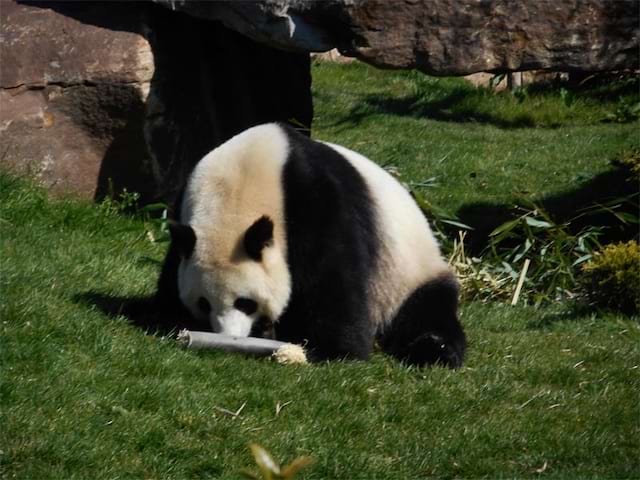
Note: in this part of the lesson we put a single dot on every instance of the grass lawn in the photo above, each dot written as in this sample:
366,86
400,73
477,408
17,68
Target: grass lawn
547,392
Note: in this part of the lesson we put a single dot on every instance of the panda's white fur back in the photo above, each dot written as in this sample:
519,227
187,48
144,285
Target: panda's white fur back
410,255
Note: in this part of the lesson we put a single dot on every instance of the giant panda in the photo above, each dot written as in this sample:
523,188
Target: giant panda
309,242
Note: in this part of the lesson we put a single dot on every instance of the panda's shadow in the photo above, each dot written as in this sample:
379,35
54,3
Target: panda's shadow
142,312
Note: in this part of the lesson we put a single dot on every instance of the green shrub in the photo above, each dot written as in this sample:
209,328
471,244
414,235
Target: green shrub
631,159
611,279
555,249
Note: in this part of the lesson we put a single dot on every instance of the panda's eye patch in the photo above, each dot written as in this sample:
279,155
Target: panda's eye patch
204,305
246,305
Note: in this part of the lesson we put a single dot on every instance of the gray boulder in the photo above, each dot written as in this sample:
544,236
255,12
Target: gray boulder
444,37
72,96
96,97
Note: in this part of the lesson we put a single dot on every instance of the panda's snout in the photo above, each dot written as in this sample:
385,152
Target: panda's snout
233,323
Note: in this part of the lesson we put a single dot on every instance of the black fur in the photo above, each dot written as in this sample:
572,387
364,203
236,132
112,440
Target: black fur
257,237
204,306
183,237
263,328
167,297
426,329
332,252
247,306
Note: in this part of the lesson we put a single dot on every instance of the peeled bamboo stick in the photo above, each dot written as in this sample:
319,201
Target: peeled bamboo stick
248,345
282,352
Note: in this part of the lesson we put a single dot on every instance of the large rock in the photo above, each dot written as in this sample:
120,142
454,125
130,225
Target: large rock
444,37
72,95
96,97
100,96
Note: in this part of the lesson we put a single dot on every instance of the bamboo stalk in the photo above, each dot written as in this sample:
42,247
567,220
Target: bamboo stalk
260,347
523,274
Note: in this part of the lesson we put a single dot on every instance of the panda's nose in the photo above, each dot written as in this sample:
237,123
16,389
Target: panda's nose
233,323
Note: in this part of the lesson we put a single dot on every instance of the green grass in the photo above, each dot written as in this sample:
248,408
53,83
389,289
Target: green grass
545,392
479,146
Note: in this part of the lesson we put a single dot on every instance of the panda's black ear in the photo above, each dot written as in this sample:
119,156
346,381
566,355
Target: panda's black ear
183,237
257,237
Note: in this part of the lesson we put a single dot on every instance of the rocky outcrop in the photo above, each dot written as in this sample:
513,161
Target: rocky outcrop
72,95
444,37
100,96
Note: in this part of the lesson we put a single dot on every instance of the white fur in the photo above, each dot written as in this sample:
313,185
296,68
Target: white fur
410,254
234,322
229,189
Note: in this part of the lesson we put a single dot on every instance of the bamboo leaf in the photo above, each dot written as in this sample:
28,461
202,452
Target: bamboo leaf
505,227
265,461
582,259
154,207
537,223
625,217
249,474
458,224
294,467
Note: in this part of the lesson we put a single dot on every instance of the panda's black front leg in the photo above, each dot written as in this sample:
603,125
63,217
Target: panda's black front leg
341,336
336,328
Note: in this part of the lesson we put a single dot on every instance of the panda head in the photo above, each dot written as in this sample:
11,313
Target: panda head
236,282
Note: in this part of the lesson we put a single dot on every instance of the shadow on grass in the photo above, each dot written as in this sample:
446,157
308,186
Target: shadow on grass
574,311
565,207
142,312
580,310
603,86
463,104
459,106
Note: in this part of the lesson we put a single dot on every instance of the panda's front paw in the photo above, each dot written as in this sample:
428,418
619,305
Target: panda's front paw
431,348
